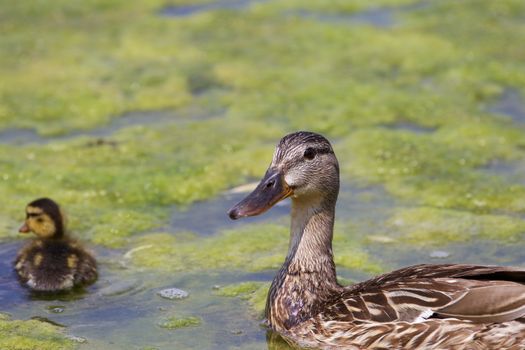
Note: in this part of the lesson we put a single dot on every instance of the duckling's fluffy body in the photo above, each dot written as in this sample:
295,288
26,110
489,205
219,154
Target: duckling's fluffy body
449,306
55,265
52,262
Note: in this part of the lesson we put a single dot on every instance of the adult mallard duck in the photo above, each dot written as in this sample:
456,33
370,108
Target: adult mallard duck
420,307
52,261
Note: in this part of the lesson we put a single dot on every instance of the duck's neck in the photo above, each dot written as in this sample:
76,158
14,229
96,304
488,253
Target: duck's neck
308,276
310,248
56,236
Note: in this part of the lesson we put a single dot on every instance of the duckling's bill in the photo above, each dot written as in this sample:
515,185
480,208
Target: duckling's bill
24,228
272,189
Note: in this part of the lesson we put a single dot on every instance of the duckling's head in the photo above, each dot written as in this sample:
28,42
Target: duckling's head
304,167
44,218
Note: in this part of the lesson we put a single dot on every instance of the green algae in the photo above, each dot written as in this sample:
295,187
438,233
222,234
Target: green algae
180,322
235,290
345,281
418,72
32,335
8,227
111,193
254,293
277,67
425,225
256,248
435,170
160,70
250,248
75,89
350,251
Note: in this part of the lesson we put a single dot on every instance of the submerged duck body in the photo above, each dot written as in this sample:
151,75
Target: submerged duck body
449,306
52,261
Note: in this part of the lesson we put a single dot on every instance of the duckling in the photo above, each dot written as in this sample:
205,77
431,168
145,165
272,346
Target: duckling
52,261
447,306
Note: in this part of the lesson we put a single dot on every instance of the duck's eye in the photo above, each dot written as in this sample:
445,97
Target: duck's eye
309,153
40,220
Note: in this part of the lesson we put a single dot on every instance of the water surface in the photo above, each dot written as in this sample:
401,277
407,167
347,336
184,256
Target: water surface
249,72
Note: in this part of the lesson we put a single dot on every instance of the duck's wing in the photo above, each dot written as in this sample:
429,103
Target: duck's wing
436,334
425,307
481,294
478,272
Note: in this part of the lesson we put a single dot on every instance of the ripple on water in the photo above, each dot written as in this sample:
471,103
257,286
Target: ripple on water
120,287
56,309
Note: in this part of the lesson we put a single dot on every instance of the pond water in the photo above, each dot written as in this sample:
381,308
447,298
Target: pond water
188,10
377,17
98,136
427,121
510,104
123,311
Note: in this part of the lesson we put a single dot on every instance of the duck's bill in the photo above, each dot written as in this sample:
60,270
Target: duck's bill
270,190
24,228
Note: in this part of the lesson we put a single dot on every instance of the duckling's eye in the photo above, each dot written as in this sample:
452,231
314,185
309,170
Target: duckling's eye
309,153
40,220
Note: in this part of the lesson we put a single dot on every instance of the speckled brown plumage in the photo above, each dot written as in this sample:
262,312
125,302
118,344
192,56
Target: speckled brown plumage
424,307
449,306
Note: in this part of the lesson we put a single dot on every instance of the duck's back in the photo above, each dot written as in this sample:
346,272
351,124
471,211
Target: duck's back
54,265
425,307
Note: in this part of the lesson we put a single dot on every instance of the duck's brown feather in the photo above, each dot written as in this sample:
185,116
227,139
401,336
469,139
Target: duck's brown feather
466,291
424,306
430,334
419,307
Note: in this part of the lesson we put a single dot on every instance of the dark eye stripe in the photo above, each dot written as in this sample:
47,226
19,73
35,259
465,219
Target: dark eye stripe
33,214
311,152
323,150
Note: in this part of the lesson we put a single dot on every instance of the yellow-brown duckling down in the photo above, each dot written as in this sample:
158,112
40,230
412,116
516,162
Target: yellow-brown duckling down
52,261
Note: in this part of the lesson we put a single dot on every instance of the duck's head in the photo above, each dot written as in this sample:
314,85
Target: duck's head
304,167
44,218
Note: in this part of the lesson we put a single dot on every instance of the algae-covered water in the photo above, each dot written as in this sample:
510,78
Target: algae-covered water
146,119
